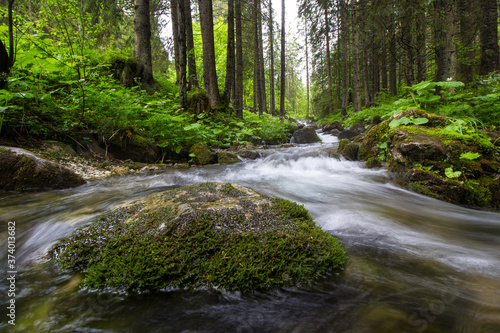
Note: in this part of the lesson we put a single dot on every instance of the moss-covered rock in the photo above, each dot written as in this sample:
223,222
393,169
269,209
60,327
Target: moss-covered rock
202,154
225,157
348,149
305,135
422,154
373,163
23,171
206,235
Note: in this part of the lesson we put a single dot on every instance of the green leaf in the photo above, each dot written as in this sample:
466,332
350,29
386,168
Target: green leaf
420,121
470,156
452,174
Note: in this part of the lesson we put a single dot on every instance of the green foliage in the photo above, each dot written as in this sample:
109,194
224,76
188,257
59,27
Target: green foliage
470,156
408,121
452,174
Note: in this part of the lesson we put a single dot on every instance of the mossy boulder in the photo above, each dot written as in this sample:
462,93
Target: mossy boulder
202,154
23,171
226,157
133,146
348,149
335,125
206,235
422,154
305,135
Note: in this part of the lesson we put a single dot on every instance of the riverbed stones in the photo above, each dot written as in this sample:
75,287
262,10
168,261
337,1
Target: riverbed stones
217,235
21,170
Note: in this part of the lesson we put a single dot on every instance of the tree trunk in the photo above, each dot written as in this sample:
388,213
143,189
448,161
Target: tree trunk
393,75
283,62
142,43
238,98
467,35
262,73
4,66
421,49
271,56
209,67
230,64
307,70
344,21
328,56
11,35
191,57
356,73
256,59
489,37
181,35
444,47
175,35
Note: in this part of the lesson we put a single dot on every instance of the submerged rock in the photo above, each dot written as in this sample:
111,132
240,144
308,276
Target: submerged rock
305,135
207,235
21,170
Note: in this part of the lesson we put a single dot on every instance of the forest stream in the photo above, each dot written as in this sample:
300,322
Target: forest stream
416,264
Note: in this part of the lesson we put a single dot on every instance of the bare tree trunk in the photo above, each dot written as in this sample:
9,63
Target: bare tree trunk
271,56
421,50
207,35
191,57
283,62
230,64
444,47
307,70
256,59
262,73
489,37
345,55
181,35
142,43
238,98
328,55
393,75
467,35
11,34
175,35
356,74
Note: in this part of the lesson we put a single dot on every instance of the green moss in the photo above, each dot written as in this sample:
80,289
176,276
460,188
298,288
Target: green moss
373,162
255,243
348,149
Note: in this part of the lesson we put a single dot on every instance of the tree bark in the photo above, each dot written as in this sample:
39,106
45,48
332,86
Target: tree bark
307,70
421,46
181,35
207,35
262,73
467,35
356,74
230,61
11,34
444,47
283,61
191,57
4,66
345,56
271,56
489,37
175,35
256,59
142,43
393,76
328,55
238,98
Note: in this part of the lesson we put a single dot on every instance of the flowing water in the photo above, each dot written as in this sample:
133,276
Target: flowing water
416,264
